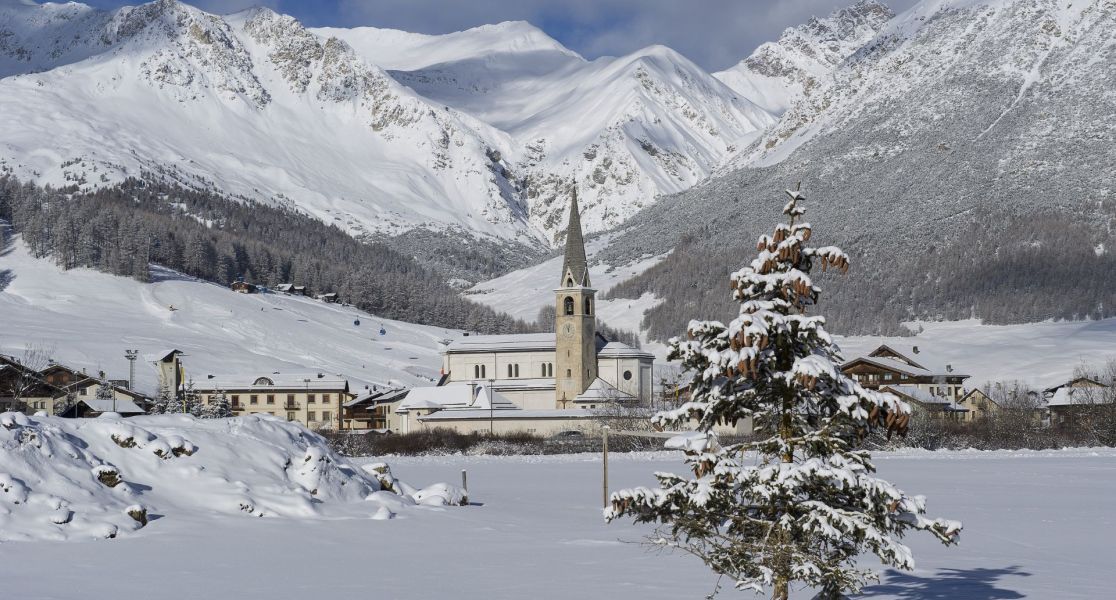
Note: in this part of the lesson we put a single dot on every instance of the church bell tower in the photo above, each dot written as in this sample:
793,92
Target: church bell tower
575,325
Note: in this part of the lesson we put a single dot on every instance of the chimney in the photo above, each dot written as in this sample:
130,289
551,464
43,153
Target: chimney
915,349
949,368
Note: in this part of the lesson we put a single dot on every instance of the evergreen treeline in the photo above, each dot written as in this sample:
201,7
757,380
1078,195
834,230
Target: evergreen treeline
121,229
1001,268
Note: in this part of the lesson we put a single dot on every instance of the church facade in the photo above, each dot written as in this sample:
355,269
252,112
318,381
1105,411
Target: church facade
539,382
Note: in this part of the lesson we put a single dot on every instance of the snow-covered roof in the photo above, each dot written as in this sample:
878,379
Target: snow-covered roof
520,342
455,396
602,391
272,381
120,405
622,350
901,367
1068,395
378,397
923,396
475,414
526,383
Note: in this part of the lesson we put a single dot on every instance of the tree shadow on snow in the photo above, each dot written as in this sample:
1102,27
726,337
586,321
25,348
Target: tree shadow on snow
7,245
952,584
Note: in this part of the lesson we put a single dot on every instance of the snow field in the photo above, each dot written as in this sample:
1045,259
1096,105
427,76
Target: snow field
1037,525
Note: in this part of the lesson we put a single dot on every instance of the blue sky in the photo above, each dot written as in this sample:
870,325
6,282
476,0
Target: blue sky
713,33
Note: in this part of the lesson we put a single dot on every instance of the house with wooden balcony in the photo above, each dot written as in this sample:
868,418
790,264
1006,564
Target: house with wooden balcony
931,387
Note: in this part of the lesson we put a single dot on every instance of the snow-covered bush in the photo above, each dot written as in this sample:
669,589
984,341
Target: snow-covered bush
808,505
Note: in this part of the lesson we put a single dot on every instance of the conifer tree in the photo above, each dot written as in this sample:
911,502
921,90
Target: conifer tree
218,407
163,400
801,501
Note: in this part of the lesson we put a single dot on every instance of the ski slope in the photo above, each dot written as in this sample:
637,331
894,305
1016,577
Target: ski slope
87,319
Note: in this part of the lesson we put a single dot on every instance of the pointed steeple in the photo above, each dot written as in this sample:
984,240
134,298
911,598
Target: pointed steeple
575,266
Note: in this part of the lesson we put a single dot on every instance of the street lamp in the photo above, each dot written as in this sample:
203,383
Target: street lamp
491,430
131,355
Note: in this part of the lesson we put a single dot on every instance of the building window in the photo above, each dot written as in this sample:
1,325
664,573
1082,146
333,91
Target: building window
627,375
235,400
271,398
325,416
543,370
550,369
509,371
588,305
312,416
253,399
887,376
483,374
290,416
517,369
589,372
569,373
311,398
476,371
290,398
325,397
568,305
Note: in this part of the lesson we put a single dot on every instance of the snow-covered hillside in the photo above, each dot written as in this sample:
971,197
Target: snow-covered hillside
86,479
87,319
483,130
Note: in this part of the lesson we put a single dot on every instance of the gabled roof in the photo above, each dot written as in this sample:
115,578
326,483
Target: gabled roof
622,350
899,366
122,406
455,396
1077,382
885,351
1068,395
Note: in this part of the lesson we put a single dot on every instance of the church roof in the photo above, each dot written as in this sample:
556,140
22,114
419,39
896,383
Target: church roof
575,262
602,391
622,350
516,342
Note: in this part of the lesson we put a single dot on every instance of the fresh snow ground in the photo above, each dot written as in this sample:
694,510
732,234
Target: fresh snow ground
1037,525
88,318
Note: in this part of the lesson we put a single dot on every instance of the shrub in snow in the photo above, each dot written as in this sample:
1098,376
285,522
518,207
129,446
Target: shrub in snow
61,516
809,505
138,514
107,475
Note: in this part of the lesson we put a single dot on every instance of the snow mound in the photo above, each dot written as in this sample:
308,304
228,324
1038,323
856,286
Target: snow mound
66,479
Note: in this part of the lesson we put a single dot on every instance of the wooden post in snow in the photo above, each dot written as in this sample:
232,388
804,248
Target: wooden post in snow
604,479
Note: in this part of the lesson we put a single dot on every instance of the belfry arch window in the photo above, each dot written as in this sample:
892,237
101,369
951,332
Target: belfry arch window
588,305
569,282
568,306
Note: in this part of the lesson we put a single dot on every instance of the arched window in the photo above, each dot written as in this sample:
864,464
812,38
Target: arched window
569,373
550,369
517,369
544,369
263,381
569,282
509,371
476,372
588,305
483,375
568,305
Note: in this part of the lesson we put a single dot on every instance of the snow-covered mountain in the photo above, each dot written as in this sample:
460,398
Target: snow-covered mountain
963,155
375,130
780,73
624,129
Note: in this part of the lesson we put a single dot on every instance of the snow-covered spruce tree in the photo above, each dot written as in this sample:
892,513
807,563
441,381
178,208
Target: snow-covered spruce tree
799,503
163,401
218,407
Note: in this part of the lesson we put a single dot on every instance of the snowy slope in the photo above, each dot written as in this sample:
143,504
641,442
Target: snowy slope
87,479
481,130
87,319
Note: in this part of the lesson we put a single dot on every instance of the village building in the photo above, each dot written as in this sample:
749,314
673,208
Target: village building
374,410
539,383
243,287
887,367
978,405
1078,402
315,400
22,389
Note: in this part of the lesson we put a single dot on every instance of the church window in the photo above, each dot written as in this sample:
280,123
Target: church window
588,306
544,369
550,368
627,375
568,305
483,375
476,371
509,371
517,370
569,373
569,282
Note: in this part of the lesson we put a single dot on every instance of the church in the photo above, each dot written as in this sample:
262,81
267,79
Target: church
539,383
